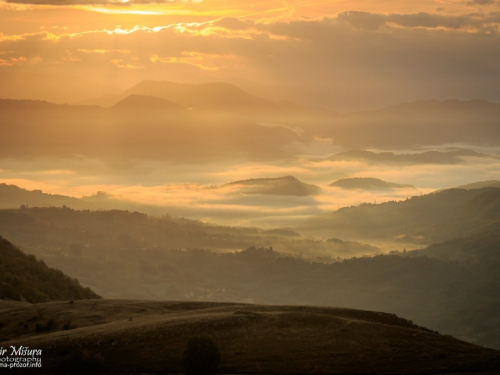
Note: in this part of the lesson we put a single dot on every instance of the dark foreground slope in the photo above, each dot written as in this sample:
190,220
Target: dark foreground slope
139,336
24,278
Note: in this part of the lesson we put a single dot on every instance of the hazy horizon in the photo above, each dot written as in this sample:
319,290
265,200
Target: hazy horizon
338,55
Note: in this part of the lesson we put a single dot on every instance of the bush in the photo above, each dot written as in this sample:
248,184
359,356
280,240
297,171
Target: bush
49,326
83,361
201,356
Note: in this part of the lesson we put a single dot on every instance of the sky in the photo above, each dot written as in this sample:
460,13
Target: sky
343,55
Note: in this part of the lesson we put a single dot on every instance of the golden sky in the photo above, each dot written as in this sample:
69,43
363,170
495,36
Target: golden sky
346,52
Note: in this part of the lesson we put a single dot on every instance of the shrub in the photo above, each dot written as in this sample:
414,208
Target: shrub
49,326
83,361
201,356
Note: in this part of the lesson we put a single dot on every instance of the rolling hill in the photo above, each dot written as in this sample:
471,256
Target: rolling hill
164,258
149,337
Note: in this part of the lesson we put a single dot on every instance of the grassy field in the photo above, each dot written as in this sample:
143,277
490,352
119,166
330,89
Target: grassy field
141,336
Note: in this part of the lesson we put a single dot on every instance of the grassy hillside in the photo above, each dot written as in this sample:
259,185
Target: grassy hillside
139,336
23,277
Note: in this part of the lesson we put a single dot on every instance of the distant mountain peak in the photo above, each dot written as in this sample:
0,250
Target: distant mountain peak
145,103
210,96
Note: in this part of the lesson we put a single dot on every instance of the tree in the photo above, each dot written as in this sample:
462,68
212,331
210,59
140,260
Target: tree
201,356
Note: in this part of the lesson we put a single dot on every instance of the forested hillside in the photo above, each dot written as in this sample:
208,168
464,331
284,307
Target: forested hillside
24,278
419,220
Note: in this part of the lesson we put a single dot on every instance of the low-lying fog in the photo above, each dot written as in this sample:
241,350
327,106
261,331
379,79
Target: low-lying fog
198,191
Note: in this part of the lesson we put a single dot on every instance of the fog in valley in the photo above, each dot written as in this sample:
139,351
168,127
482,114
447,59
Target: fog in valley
201,192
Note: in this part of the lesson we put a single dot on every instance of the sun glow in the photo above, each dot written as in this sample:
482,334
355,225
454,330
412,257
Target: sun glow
121,11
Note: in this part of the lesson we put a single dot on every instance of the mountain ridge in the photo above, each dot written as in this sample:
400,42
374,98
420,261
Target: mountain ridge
419,220
431,157
145,103
368,183
212,96
286,185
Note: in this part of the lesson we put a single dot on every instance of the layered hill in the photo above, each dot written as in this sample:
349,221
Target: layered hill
162,258
109,249
12,196
24,278
428,122
139,127
222,121
479,247
127,336
367,183
417,220
441,109
287,185
146,103
215,95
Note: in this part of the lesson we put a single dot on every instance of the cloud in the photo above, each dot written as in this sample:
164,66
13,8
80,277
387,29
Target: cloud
102,51
11,61
203,61
373,21
481,2
98,2
233,23
127,65
188,190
